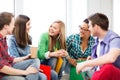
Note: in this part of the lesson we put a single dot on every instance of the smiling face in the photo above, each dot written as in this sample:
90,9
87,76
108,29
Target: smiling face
84,30
54,29
28,26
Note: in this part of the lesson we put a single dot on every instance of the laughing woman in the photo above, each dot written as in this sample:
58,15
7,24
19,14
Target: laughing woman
52,47
79,48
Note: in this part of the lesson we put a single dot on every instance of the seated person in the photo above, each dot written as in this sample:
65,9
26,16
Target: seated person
52,46
19,42
79,48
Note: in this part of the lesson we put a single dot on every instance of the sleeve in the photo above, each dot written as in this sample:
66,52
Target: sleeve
12,48
4,62
5,59
43,47
115,43
69,43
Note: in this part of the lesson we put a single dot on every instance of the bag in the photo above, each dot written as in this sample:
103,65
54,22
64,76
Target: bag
59,64
74,75
46,70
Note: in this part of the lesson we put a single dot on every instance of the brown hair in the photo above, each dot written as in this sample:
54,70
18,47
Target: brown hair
99,19
5,19
22,37
61,37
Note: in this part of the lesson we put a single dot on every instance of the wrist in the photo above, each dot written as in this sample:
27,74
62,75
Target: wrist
47,55
67,57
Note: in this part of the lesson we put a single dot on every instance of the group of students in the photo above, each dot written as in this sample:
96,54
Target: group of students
79,50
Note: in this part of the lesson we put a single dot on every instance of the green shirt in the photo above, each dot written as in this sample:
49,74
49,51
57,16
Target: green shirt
43,46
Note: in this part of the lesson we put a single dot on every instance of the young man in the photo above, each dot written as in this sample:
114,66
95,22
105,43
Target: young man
14,68
105,52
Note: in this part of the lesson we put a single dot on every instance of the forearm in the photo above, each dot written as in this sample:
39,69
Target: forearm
12,71
100,61
18,59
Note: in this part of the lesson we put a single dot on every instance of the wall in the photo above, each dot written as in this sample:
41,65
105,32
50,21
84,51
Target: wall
103,6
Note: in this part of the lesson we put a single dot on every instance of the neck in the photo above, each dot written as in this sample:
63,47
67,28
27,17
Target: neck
85,39
102,34
3,33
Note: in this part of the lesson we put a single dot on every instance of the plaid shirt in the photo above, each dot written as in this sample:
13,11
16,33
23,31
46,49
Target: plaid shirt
74,49
5,59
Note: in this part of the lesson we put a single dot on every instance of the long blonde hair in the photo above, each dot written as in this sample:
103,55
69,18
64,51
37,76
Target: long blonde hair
61,37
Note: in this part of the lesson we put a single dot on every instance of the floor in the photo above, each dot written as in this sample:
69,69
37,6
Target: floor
65,77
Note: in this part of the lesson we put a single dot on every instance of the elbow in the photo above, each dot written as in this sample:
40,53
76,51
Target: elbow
112,60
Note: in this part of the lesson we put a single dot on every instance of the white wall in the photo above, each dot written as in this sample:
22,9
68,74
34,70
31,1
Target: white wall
116,16
103,6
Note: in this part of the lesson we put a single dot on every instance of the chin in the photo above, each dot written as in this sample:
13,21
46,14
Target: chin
81,36
9,33
50,35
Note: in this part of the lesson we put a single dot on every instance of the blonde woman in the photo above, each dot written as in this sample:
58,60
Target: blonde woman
52,45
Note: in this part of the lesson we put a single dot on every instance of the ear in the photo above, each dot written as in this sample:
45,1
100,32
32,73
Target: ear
5,26
97,27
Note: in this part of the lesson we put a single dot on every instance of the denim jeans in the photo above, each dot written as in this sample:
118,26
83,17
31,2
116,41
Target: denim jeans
52,62
13,78
54,75
23,65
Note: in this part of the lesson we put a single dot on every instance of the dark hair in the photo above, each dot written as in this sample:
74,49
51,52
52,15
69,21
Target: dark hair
99,19
86,21
5,19
22,37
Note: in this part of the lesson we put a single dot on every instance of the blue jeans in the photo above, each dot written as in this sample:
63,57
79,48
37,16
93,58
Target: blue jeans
52,62
23,65
54,75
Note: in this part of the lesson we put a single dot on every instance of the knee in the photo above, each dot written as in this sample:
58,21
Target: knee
43,76
54,75
36,60
35,63
107,67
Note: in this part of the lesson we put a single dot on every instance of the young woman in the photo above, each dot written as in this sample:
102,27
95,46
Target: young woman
19,42
52,46
79,48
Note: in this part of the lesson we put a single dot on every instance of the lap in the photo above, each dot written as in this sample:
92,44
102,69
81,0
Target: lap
26,63
13,78
107,72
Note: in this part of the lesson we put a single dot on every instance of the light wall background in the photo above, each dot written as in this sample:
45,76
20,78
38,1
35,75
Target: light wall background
71,12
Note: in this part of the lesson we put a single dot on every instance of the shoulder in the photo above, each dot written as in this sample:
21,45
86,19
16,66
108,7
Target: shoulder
44,34
73,36
91,40
10,37
111,36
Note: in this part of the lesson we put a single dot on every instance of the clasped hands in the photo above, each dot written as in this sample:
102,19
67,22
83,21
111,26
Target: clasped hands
59,53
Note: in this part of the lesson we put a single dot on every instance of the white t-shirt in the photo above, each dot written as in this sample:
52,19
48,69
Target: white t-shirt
98,52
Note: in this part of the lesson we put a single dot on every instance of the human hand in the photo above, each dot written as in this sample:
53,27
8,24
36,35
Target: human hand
80,67
27,57
72,61
31,70
59,53
62,53
89,58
